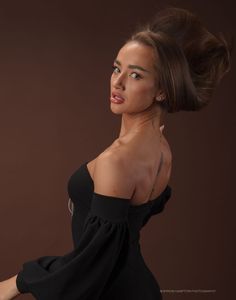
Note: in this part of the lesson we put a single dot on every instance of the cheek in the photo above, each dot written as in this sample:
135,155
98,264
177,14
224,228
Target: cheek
144,90
140,97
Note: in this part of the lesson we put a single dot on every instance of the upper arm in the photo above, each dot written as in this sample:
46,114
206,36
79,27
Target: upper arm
112,177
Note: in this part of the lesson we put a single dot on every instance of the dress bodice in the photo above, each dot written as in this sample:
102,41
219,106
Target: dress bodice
81,190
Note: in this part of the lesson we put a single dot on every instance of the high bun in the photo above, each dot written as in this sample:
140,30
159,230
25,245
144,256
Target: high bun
190,60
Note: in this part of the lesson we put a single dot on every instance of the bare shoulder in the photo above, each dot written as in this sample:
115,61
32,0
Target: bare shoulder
112,176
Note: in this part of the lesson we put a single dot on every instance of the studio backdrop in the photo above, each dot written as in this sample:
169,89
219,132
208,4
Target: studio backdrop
56,61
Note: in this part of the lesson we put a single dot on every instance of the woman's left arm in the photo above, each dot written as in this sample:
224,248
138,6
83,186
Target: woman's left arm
8,289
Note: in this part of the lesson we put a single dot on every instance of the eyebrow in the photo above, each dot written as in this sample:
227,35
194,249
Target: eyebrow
132,66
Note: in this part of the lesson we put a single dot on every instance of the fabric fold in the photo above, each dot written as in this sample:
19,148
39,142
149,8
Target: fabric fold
92,266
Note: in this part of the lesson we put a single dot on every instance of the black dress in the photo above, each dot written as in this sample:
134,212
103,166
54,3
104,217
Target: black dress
106,262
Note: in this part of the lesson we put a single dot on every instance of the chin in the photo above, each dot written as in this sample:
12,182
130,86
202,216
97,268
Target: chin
116,112
116,109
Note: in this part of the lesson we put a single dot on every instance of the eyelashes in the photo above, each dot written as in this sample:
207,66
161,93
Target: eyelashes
137,75
114,67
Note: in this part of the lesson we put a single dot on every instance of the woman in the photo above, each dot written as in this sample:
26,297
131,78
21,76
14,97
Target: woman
171,64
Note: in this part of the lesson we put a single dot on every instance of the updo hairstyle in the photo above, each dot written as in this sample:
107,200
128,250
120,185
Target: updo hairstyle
190,61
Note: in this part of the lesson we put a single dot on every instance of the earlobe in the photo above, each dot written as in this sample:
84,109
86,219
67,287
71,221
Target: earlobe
160,97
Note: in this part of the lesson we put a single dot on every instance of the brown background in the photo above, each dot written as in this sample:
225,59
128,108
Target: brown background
56,59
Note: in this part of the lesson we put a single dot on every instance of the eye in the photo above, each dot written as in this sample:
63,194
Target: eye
114,67
138,76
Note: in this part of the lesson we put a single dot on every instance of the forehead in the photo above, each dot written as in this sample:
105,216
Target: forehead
136,53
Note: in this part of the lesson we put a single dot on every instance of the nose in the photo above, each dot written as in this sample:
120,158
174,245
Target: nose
118,81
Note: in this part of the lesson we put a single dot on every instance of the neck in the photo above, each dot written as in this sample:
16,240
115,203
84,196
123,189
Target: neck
148,123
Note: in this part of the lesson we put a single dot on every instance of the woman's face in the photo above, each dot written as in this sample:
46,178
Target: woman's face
134,78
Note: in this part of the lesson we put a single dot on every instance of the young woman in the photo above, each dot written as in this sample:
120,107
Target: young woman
171,64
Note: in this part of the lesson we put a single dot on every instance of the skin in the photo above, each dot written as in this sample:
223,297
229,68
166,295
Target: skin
8,289
141,120
140,112
136,153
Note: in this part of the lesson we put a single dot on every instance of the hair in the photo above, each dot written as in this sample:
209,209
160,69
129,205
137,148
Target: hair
190,61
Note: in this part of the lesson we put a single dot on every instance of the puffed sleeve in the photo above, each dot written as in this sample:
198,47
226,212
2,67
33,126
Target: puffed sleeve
92,266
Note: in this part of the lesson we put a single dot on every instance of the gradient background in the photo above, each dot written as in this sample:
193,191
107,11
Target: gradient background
55,68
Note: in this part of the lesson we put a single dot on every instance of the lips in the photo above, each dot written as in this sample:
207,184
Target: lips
117,96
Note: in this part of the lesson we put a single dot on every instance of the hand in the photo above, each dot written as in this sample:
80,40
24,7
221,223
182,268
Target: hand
8,289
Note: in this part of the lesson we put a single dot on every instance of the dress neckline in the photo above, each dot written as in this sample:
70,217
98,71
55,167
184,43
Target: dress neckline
148,203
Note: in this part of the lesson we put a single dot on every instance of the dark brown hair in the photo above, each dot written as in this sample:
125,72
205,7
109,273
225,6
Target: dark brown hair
190,60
